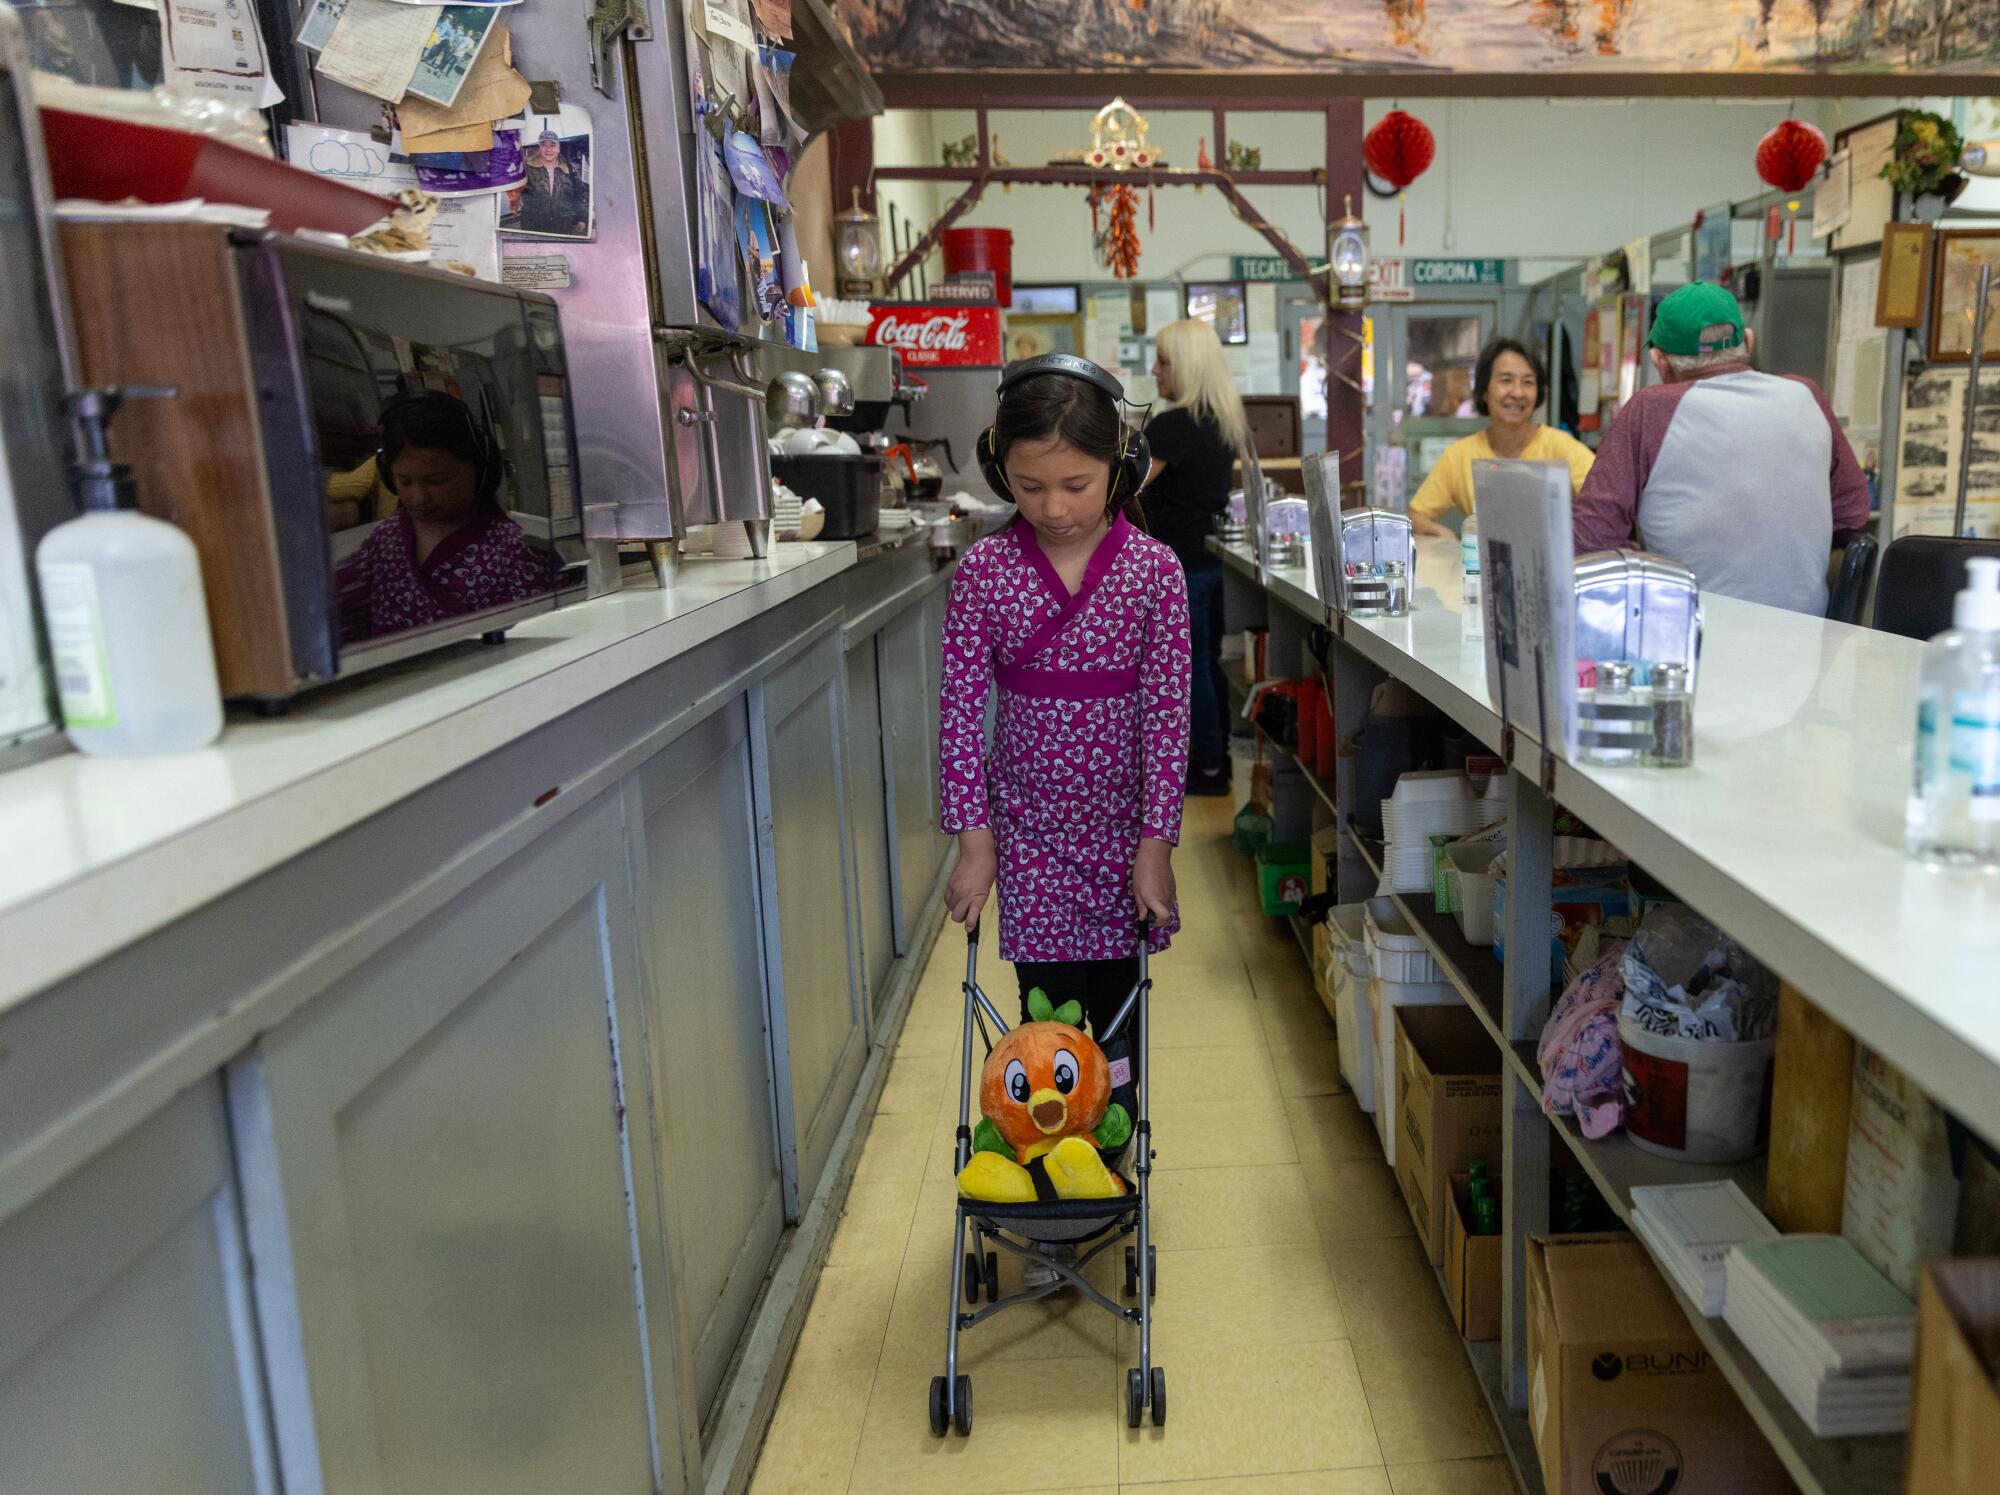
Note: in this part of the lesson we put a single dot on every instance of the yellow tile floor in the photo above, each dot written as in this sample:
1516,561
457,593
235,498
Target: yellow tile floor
1307,1348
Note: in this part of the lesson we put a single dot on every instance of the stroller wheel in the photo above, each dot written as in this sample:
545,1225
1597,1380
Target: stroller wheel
962,1413
992,1276
972,1277
940,1415
1135,1398
1159,1397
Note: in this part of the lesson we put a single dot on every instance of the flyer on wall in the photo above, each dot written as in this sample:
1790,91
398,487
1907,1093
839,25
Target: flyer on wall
215,47
554,200
1527,563
499,168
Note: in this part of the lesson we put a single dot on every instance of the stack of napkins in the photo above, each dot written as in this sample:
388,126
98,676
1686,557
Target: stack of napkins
1834,1334
1690,1228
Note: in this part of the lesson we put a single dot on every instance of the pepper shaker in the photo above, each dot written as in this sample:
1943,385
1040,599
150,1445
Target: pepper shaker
1673,719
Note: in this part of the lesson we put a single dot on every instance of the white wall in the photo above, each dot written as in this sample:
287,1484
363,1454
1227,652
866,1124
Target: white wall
1514,178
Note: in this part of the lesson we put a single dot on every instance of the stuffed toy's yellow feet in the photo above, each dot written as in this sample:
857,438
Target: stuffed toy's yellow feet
1077,1172
996,1180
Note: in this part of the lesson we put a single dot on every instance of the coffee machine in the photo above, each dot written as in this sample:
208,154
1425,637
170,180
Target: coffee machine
852,486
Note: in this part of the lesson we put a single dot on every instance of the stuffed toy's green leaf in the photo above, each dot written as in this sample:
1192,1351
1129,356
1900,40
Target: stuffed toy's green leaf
986,1138
1040,1009
1071,1013
1114,1129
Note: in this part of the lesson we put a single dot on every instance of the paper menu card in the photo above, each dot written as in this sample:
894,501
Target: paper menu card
1859,1318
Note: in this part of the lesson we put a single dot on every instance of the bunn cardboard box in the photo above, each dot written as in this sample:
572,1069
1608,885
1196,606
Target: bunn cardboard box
1955,1402
1622,1397
1448,1095
1471,1266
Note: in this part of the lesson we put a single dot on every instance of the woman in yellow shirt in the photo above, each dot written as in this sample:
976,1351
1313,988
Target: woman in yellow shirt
1507,390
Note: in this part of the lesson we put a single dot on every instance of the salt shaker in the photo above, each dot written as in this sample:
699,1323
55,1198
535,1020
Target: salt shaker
1614,723
1673,718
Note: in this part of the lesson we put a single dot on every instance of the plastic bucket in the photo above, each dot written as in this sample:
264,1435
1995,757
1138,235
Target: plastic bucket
1475,890
982,249
1695,1100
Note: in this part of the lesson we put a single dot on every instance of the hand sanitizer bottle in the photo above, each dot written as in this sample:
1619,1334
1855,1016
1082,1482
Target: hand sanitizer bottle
127,622
1954,810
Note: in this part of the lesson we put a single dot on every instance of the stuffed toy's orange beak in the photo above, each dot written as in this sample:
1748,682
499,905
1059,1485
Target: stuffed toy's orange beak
1049,1111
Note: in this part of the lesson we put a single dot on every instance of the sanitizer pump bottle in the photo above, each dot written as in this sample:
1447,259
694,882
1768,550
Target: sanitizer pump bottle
1954,810
127,622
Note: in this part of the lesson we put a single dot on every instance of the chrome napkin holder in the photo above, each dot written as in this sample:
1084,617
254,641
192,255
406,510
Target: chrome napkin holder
1370,538
1637,607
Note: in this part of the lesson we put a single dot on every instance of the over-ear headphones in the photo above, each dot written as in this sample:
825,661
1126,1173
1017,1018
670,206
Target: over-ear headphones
1134,463
435,402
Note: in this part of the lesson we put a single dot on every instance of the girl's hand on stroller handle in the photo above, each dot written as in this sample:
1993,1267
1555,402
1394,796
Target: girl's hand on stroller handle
972,878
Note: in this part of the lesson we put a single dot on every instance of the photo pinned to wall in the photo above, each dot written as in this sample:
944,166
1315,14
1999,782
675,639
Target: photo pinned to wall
758,241
316,28
554,201
452,48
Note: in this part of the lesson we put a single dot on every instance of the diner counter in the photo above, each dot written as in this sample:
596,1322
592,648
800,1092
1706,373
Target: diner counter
103,851
1787,830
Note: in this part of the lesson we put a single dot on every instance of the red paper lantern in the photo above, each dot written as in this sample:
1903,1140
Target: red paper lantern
1790,155
1399,150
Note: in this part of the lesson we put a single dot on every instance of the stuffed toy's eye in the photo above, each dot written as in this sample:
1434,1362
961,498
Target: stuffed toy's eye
1017,1080
1065,1066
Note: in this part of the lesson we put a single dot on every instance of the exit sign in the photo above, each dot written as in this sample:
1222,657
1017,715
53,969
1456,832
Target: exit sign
1457,272
1262,267
1388,281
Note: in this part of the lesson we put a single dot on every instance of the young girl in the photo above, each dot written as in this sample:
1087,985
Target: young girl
1082,621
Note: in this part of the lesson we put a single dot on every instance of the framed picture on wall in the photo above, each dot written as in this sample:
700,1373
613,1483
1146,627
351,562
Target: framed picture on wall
1032,336
1223,304
1960,255
1905,275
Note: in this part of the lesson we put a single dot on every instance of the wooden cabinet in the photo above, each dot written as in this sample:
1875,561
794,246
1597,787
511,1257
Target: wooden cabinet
806,793
127,1357
708,1033
437,1167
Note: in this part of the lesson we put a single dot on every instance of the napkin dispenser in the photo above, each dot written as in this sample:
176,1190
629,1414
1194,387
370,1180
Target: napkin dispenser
1370,538
1640,608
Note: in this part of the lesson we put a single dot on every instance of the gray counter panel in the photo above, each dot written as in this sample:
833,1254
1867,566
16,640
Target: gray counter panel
125,1357
912,754
869,795
706,1033
437,1147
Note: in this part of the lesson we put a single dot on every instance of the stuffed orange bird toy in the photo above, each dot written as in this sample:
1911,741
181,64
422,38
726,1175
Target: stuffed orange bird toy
1045,1098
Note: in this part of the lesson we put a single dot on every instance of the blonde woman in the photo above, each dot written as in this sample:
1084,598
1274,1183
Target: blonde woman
1194,447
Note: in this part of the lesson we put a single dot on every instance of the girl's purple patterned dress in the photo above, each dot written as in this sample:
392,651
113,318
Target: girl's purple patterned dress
485,562
1090,751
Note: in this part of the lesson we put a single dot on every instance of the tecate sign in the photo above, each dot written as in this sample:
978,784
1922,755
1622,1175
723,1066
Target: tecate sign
938,336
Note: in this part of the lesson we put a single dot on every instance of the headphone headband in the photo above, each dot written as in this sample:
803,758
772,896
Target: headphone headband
1066,364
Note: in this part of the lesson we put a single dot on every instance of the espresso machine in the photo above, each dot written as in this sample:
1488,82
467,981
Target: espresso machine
852,486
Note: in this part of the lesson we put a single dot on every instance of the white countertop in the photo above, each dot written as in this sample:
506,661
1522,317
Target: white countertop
1787,831
102,851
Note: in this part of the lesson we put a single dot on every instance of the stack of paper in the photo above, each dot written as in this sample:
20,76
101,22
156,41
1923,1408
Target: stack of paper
1690,1229
1834,1334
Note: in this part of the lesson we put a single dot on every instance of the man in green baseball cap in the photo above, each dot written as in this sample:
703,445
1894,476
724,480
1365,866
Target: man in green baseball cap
1742,477
1698,321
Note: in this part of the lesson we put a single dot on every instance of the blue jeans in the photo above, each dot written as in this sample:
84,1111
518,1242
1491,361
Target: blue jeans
1208,737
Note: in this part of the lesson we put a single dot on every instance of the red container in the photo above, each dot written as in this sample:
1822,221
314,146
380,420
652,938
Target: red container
982,249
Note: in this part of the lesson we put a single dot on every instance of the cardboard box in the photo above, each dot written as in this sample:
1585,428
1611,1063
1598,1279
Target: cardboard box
1622,1398
1955,1403
1448,1097
1471,1266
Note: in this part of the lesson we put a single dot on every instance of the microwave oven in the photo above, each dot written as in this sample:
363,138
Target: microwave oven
310,385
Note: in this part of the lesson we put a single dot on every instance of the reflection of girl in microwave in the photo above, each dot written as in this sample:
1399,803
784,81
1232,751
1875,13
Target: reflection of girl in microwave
448,549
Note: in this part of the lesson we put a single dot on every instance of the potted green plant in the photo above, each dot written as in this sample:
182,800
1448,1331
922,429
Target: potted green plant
1925,162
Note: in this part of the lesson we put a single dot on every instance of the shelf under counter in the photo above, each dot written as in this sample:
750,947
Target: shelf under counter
1844,1466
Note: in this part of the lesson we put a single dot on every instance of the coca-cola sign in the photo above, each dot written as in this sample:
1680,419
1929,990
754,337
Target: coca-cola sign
938,336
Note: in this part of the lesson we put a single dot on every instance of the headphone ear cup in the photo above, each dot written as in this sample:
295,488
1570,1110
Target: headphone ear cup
1137,463
989,466
382,473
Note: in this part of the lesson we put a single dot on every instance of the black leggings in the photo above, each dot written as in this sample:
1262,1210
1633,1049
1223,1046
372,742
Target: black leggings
1101,986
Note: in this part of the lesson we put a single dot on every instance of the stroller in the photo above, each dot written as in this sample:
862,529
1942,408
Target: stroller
1035,1231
